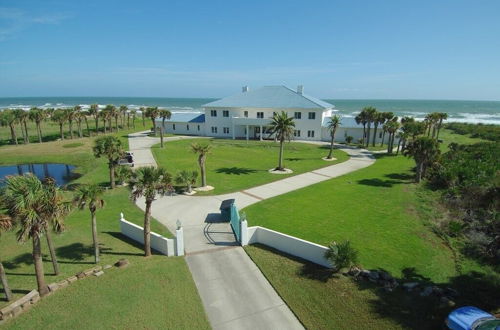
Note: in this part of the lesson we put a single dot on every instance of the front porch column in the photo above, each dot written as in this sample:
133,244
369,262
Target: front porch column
261,132
247,132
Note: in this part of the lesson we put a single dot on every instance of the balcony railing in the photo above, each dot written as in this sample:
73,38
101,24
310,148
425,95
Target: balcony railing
251,121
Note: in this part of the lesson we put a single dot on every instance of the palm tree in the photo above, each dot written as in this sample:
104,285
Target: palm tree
332,126
60,116
387,116
94,112
163,114
202,150
24,200
152,113
143,115
122,112
111,148
362,119
187,178
38,115
392,127
109,113
91,195
371,115
79,118
424,151
149,182
104,115
73,113
5,224
441,116
283,127
378,119
8,118
55,211
86,114
133,112
22,118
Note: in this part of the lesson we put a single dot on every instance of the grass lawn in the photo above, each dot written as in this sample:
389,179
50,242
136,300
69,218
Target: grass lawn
120,297
235,165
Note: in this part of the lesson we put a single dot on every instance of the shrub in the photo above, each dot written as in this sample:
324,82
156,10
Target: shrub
488,132
349,139
123,173
341,255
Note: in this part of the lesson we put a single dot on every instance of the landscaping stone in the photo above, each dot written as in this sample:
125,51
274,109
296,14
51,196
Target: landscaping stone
373,275
63,284
72,279
122,263
97,268
53,287
35,299
106,267
99,273
16,311
354,271
88,271
446,302
410,285
427,291
7,310
80,275
365,273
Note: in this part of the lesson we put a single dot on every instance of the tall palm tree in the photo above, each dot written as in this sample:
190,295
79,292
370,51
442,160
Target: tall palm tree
24,200
60,116
332,126
8,118
362,119
282,126
123,111
202,150
22,118
5,224
111,148
149,182
387,116
94,112
38,115
55,211
378,119
424,151
392,127
133,112
109,113
79,118
441,116
85,115
152,113
91,195
104,115
163,114
371,115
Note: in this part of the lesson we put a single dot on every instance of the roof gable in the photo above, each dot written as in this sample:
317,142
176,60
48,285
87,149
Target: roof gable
271,97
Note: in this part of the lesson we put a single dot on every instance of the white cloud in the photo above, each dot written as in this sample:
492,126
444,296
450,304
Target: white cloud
13,21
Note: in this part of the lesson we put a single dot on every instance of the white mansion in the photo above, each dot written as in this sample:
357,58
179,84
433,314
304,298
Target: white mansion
248,114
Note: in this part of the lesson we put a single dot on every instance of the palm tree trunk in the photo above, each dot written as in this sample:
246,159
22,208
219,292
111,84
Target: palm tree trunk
87,125
161,137
375,126
13,134
94,237
330,154
364,134
61,131
383,138
53,256
143,119
96,125
27,134
43,289
71,129
128,121
112,175
389,147
133,121
420,169
154,126
280,161
399,145
439,128
80,133
368,135
203,174
116,123
147,229
104,125
5,284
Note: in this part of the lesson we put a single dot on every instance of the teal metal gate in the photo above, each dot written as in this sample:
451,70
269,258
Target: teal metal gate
235,222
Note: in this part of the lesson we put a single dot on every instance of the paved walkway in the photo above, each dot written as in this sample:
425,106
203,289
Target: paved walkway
234,292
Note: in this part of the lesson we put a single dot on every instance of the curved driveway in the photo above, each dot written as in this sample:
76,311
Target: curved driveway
234,292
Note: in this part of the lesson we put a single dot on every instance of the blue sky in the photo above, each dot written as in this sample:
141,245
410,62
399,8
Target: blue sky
336,49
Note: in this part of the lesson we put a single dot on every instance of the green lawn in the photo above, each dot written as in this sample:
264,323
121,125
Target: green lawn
118,298
235,165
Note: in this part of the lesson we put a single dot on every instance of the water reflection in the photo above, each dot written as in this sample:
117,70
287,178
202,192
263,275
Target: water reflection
62,173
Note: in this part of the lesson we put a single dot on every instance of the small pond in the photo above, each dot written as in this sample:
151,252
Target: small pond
62,173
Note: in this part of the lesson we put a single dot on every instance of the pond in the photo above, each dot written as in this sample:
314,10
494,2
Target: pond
62,173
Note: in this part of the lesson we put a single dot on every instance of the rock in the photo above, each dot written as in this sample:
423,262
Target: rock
88,271
365,273
451,292
99,273
97,269
410,285
80,275
385,276
427,291
354,271
106,267
437,291
72,279
53,287
16,311
373,275
122,263
35,299
63,284
6,311
446,302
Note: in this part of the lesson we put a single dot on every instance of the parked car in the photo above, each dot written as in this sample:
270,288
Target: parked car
471,318
127,159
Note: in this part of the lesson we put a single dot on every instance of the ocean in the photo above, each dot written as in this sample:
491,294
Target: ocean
487,112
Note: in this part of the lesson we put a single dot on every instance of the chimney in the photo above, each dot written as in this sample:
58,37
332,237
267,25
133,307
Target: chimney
245,89
300,89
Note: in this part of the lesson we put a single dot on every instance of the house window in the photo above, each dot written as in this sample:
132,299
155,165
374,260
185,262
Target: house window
187,127
173,126
213,113
225,113
214,130
226,130
198,127
297,115
312,115
245,114
296,132
310,134
260,115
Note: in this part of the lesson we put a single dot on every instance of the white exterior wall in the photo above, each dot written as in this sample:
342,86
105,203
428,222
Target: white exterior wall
289,244
183,128
158,242
355,132
303,125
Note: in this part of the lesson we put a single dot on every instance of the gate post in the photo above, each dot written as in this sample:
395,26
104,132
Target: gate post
179,242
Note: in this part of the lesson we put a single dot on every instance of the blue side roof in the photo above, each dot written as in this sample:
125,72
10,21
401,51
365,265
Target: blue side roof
185,117
271,97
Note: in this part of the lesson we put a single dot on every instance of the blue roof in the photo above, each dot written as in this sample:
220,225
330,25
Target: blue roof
185,117
271,97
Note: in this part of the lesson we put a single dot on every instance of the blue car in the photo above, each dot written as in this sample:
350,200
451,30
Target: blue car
472,318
